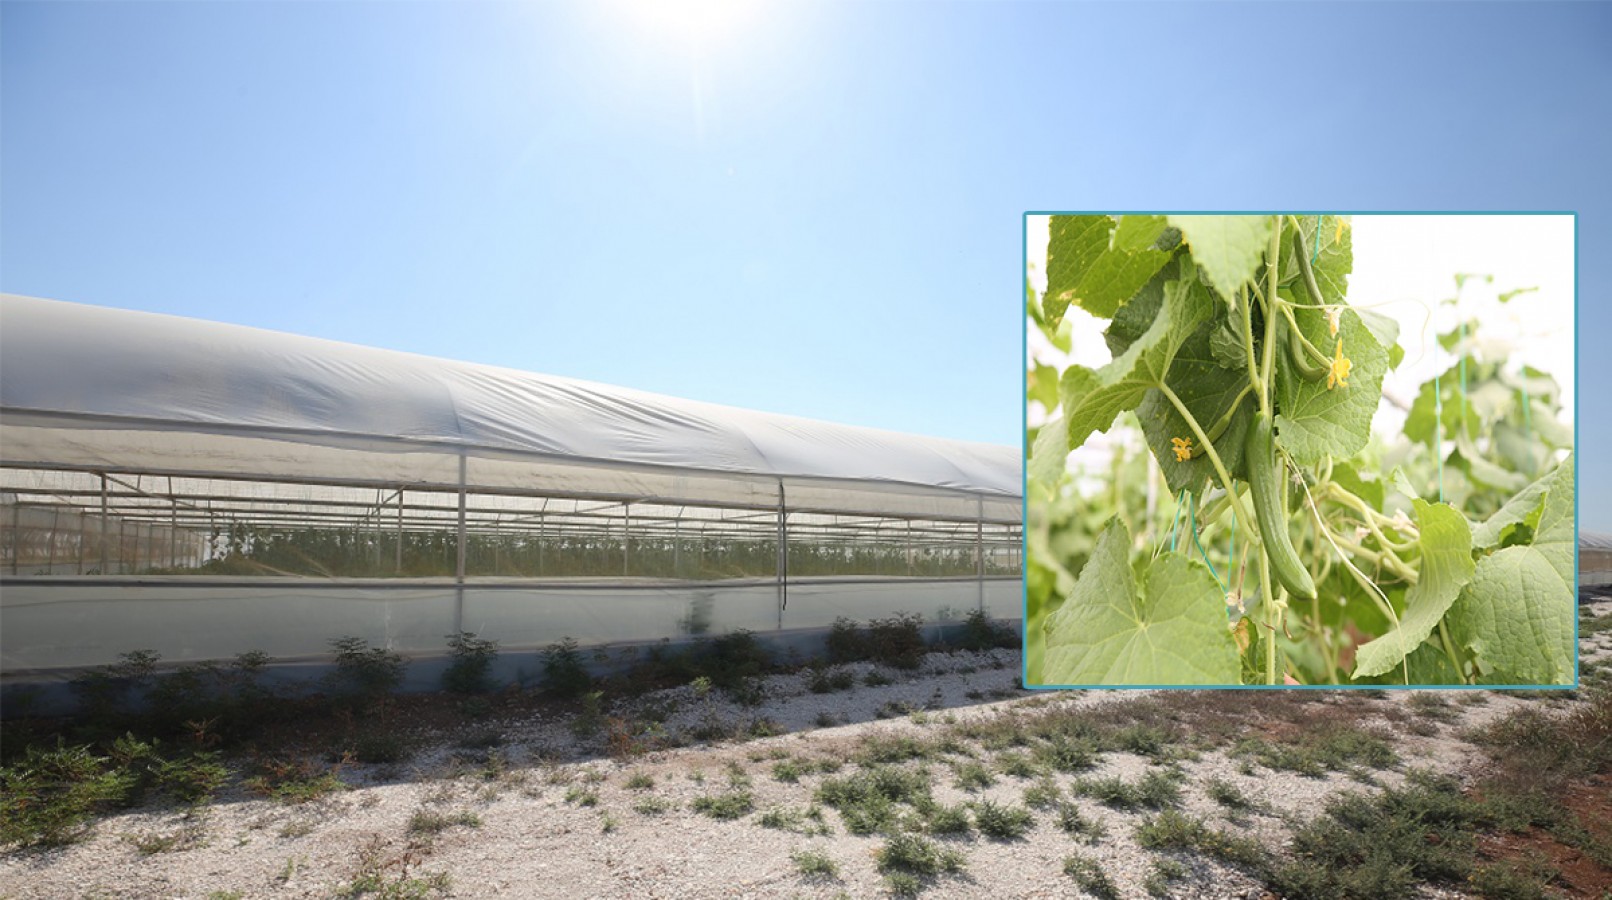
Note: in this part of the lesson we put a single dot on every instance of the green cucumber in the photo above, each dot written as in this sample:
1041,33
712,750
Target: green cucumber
1270,513
1299,356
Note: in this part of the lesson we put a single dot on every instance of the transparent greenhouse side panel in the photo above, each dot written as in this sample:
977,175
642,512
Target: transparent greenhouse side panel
60,626
537,617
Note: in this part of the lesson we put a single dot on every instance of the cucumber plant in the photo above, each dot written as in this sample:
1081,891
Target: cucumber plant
1267,536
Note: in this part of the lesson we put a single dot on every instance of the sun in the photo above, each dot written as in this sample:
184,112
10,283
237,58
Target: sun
696,24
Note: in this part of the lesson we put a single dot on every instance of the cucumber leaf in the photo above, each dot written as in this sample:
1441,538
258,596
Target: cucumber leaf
1446,566
1315,421
1516,615
1085,269
1168,628
1092,398
1229,248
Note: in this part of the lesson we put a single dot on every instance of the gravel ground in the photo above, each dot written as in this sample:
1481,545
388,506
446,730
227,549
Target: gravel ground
541,835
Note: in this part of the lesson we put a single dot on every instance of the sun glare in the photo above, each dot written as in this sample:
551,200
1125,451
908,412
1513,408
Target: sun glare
696,24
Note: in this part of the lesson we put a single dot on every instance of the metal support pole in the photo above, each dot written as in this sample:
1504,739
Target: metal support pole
104,528
783,555
979,551
459,565
397,567
16,535
50,562
626,540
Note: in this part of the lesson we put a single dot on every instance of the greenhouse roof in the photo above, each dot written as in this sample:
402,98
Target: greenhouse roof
1592,540
65,367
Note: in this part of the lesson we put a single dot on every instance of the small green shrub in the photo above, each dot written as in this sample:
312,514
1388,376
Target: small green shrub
897,641
814,863
472,661
49,795
1163,876
640,781
951,820
564,675
1090,877
425,822
846,642
915,855
1001,821
364,673
979,632
731,805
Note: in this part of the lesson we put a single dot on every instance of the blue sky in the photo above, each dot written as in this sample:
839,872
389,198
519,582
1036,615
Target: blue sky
814,209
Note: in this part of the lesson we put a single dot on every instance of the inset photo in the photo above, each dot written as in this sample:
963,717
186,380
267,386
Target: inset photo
1306,449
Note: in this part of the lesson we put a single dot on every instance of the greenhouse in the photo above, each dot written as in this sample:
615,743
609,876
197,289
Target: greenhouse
1594,559
202,490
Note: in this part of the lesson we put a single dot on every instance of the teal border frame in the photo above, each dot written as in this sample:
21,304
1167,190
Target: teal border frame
1024,472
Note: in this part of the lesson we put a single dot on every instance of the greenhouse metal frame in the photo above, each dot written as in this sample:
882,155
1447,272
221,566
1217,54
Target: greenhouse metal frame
201,490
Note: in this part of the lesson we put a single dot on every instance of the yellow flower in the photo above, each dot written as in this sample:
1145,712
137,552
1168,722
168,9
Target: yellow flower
1183,448
1339,375
1338,235
1334,313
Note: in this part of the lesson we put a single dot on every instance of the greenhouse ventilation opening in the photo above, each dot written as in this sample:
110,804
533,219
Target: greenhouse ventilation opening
202,490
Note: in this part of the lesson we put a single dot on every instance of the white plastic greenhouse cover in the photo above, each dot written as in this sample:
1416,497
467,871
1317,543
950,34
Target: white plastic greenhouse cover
1594,559
98,388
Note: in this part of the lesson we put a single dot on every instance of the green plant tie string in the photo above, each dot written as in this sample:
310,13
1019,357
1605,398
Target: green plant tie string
1176,527
1317,254
1192,512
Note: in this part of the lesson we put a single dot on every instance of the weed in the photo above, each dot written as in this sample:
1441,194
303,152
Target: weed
878,749
640,781
814,864
828,680
1017,765
364,675
652,806
581,796
826,719
737,777
953,820
875,678
1044,794
1163,876
379,747
297,828
1066,754
846,642
732,805
472,660
564,675
1078,826
1227,794
1090,877
897,641
918,856
607,823
293,781
427,823
971,776
1002,822
980,633
1172,830
590,719
787,771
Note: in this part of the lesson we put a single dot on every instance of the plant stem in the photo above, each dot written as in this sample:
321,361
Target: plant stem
1268,601
1214,455
1268,368
1248,345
